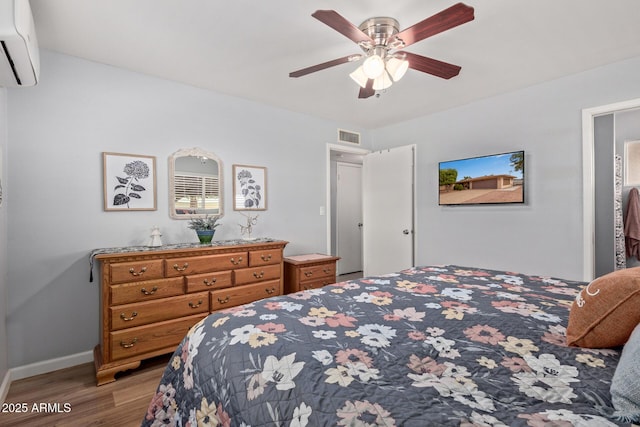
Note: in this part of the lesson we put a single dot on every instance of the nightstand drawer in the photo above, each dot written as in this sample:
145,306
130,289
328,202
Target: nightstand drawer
143,313
256,274
203,264
317,283
142,291
237,295
207,281
315,272
143,339
136,271
263,257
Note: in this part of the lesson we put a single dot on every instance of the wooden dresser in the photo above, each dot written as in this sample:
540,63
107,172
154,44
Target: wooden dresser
302,272
151,297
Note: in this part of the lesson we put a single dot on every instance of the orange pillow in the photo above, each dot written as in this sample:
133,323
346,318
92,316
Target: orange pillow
606,311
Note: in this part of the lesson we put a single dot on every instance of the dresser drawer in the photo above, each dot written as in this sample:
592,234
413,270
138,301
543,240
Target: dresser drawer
263,257
136,271
143,339
142,291
204,264
314,272
256,274
143,313
207,281
237,295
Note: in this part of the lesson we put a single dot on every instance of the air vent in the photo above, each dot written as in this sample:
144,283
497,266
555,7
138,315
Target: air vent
348,137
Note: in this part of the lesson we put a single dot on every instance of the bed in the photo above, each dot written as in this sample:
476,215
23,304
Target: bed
428,346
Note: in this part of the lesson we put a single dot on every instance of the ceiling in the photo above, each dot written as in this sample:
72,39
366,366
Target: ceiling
247,48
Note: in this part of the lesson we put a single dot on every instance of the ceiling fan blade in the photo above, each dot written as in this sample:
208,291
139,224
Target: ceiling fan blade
324,65
432,66
342,25
366,92
452,17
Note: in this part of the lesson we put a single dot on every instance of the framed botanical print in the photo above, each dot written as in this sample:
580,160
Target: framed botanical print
129,182
249,188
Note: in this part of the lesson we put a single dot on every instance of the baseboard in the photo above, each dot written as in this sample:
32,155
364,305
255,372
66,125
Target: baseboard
4,386
50,365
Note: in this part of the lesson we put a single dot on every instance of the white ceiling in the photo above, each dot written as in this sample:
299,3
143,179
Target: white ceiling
247,48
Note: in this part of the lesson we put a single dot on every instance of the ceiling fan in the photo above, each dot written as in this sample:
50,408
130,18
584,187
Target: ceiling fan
380,39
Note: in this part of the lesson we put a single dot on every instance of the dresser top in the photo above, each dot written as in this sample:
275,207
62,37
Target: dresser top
98,253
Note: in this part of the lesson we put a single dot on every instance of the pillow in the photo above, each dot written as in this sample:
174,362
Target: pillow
606,311
625,387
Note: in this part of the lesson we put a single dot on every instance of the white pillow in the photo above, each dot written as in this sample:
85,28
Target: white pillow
625,387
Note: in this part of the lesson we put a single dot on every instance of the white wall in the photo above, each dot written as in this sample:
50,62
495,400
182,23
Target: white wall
58,131
3,239
545,235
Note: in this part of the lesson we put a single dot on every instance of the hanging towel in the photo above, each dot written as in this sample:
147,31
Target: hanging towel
632,224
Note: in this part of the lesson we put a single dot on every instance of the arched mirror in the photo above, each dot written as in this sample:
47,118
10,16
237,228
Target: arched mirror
195,184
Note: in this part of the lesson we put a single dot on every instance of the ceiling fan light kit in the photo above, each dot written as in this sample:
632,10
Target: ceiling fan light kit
380,39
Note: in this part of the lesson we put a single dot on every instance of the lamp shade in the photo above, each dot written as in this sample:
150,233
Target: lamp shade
382,82
373,66
397,67
359,77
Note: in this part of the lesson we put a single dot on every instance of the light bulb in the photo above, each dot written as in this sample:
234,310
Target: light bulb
397,67
373,66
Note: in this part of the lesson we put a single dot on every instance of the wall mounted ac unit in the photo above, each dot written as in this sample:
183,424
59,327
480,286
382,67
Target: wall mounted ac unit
19,56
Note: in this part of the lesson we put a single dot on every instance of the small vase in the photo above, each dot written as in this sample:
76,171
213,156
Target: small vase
205,236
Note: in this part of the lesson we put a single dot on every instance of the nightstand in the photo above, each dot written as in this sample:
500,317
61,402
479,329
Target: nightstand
309,271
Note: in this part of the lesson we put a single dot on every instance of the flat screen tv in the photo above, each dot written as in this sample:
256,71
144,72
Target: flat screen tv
492,179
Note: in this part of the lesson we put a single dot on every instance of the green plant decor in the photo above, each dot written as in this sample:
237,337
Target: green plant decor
205,227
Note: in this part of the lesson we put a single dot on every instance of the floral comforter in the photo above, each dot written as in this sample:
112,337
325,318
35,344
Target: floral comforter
428,346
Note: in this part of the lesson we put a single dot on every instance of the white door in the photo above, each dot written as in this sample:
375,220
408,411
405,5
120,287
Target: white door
388,210
349,218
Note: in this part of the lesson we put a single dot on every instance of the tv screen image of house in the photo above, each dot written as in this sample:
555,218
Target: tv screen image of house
492,179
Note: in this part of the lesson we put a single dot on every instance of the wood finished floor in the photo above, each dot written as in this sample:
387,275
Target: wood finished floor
122,403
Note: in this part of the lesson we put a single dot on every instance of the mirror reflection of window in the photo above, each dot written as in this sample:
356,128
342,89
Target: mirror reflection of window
195,184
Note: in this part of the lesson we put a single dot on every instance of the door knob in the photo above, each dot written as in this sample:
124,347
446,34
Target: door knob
405,231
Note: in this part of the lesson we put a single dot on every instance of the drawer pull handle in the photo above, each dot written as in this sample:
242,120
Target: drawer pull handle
236,262
139,273
266,257
151,292
127,319
308,273
270,290
128,344
192,305
211,282
176,267
258,275
223,301
326,270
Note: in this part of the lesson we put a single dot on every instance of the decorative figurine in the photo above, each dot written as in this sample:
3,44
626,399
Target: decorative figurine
246,229
155,236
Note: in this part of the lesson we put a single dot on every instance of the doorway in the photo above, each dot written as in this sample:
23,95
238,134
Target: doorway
344,237
589,117
387,245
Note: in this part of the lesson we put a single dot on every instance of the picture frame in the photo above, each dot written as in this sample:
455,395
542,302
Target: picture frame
129,182
249,188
